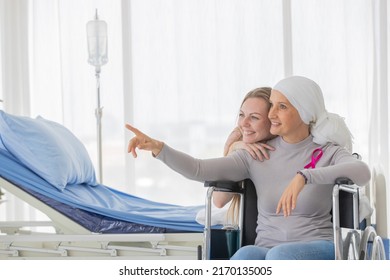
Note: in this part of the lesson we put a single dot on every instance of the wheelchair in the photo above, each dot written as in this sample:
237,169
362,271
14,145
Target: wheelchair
353,239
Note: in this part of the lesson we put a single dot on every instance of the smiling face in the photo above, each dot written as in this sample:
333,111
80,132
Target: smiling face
253,120
285,119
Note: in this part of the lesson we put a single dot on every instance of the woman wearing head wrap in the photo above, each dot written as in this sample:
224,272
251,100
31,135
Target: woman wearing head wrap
294,186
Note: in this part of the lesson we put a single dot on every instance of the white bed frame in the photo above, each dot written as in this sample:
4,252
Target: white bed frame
69,240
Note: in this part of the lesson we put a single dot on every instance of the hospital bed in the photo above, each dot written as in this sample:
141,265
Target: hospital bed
45,165
90,226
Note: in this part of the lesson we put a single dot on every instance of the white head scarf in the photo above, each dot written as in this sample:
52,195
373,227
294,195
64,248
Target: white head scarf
306,96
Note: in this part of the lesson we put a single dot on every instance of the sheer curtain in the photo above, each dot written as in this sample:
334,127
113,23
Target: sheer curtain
14,80
192,63
57,81
178,71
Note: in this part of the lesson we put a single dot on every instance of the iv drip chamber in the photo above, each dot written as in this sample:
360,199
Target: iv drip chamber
97,42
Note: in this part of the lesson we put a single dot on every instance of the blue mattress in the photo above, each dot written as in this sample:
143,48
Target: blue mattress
101,208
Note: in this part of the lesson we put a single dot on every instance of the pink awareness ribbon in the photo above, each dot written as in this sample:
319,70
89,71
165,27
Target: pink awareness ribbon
315,157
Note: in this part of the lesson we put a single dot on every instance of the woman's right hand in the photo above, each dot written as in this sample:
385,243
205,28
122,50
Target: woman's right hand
143,142
258,150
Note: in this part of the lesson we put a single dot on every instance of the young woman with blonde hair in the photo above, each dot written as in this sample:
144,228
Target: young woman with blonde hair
251,134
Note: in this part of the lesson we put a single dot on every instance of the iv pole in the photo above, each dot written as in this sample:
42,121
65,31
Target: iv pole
97,49
99,114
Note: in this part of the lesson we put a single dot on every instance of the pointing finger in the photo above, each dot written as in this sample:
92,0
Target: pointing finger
133,129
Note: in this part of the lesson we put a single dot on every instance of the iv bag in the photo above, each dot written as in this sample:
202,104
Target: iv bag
97,42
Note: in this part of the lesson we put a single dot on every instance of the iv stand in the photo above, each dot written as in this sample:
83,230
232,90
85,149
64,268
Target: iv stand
99,114
97,49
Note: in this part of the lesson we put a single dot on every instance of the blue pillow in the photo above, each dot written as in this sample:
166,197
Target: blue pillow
47,148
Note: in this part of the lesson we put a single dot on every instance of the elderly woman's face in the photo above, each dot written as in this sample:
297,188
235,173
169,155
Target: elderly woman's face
285,119
253,120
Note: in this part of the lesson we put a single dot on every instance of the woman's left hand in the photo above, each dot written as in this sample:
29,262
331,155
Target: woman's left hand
288,200
234,136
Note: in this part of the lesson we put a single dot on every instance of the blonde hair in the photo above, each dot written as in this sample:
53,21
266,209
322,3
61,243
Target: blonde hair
261,92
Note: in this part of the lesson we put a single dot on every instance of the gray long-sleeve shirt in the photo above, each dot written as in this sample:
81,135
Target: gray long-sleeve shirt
311,219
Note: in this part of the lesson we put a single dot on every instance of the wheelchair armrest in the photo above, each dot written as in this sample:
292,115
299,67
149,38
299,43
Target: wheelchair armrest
347,201
344,181
225,186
